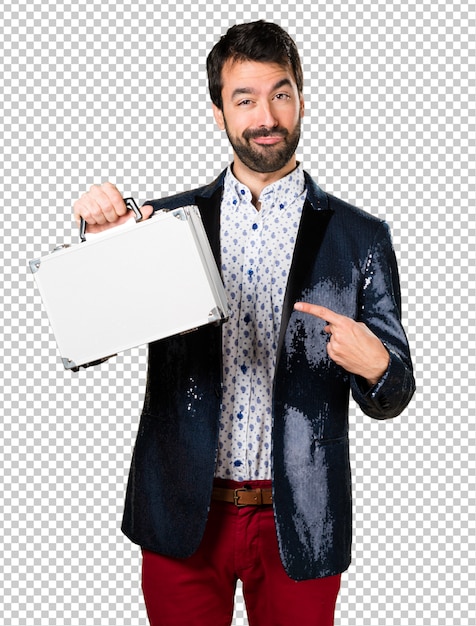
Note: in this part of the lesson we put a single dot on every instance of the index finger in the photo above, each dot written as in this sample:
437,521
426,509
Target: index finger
319,311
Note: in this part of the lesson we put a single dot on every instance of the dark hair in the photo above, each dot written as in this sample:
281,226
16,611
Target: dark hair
255,41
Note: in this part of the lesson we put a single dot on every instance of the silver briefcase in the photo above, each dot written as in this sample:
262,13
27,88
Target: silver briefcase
130,286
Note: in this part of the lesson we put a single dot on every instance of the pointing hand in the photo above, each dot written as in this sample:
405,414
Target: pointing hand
352,344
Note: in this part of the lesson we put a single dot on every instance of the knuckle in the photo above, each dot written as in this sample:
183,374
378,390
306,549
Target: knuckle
96,213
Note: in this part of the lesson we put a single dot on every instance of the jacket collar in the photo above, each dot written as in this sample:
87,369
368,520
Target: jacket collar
208,200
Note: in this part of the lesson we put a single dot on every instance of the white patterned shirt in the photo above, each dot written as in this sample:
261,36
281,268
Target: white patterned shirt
256,252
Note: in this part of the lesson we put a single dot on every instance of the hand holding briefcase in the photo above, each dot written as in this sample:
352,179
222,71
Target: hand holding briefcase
130,286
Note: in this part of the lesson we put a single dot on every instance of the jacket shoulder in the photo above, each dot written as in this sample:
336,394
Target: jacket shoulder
353,213
187,198
320,199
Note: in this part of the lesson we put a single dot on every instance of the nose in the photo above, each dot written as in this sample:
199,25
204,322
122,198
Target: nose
265,116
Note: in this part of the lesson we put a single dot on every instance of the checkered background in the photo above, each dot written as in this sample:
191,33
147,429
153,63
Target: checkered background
117,91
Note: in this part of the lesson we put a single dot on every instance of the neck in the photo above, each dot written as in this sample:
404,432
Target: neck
257,181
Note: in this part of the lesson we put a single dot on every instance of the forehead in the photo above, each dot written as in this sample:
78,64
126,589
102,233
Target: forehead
254,75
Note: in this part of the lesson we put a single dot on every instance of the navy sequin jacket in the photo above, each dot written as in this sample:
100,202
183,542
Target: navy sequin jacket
343,260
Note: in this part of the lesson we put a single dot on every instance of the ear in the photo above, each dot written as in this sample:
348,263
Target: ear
218,115
301,105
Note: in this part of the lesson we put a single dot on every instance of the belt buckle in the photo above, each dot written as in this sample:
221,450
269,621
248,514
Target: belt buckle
236,497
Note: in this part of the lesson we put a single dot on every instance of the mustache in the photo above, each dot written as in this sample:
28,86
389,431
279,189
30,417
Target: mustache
265,132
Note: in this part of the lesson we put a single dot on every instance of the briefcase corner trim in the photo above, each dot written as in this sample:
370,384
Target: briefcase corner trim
69,364
35,265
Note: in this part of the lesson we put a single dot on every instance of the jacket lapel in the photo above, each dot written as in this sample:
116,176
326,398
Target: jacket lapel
209,204
210,212
314,222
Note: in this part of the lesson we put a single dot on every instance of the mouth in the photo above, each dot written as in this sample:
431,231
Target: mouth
266,136
270,140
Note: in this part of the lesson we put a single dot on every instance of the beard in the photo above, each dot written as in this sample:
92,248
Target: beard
266,158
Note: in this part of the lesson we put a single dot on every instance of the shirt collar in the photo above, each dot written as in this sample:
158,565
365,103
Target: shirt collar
283,191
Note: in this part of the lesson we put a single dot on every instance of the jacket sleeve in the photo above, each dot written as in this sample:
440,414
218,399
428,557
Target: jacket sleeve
380,310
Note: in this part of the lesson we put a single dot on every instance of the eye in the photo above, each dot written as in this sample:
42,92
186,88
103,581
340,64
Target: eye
244,102
282,96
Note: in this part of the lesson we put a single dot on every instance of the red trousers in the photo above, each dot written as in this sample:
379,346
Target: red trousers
239,543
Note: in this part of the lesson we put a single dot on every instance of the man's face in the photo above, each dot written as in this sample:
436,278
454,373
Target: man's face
261,114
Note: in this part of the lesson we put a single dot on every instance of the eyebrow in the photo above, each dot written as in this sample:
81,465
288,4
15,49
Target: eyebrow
239,91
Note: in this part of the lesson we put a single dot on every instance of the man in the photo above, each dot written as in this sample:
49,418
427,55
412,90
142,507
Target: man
241,464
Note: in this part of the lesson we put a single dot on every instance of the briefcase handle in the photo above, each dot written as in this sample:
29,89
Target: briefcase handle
130,204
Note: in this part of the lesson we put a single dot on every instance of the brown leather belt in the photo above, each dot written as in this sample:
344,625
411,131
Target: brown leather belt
243,497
